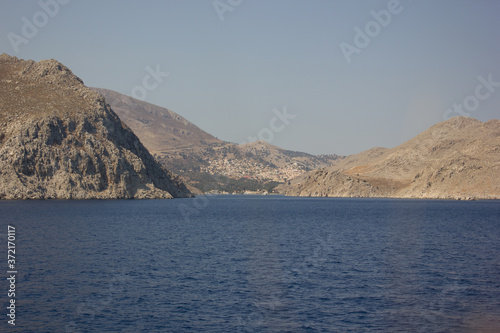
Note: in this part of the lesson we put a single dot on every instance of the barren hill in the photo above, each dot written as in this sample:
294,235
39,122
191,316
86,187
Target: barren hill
204,161
457,159
60,140
159,129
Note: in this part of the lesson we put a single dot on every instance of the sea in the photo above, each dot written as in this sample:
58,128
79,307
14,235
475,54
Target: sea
230,263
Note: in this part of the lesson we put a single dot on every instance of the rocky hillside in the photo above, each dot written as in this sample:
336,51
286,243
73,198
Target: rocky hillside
204,161
158,128
60,140
455,159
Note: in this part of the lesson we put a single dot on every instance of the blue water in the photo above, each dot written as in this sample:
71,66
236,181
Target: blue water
254,264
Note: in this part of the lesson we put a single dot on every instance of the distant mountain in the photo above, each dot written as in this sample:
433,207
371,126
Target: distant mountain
60,140
455,159
158,128
281,157
204,161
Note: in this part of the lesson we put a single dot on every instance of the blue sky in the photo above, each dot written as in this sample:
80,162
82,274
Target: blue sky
228,75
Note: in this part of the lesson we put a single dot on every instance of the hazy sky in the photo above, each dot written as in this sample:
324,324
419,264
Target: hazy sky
356,74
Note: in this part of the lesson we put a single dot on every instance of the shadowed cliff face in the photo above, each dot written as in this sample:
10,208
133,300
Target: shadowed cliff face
455,159
59,139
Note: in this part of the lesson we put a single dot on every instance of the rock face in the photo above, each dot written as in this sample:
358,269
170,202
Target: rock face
455,159
60,140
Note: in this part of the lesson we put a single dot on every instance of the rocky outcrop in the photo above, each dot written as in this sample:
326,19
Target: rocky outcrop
60,140
455,159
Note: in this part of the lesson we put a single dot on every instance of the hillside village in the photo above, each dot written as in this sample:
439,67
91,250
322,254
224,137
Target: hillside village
237,169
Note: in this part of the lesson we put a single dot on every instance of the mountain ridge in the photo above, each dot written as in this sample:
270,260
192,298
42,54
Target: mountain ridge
143,117
204,161
60,140
455,159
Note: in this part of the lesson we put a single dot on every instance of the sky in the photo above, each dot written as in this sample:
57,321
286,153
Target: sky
318,76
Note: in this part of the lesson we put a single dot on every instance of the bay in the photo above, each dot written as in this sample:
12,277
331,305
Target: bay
254,264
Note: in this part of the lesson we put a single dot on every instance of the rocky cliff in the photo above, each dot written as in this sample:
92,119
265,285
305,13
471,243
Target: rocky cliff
455,159
60,140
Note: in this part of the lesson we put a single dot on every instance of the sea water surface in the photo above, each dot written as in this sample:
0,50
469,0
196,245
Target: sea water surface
254,264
